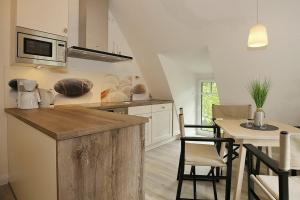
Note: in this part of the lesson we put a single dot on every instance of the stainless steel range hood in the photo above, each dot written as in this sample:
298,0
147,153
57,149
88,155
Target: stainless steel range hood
91,54
93,33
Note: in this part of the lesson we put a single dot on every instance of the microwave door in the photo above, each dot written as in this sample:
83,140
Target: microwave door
35,47
61,51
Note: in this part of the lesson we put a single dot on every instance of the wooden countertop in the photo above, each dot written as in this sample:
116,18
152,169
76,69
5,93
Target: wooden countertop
111,105
69,122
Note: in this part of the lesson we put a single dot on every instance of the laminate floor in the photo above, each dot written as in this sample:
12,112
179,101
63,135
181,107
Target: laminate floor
5,193
160,177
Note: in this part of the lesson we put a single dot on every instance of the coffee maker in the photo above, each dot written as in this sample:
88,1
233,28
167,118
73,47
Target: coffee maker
28,95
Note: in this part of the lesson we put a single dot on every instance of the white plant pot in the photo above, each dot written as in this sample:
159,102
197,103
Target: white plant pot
259,117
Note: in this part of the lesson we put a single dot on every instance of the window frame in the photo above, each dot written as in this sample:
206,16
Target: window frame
200,97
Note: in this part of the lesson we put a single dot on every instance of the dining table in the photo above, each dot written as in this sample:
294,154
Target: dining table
262,138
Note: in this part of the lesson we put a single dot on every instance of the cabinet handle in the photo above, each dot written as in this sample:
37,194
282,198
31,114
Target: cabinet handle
150,117
65,30
163,107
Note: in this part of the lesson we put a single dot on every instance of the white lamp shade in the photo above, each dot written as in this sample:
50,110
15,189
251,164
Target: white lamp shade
258,36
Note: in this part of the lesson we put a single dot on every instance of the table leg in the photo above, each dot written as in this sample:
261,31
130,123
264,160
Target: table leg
269,153
239,177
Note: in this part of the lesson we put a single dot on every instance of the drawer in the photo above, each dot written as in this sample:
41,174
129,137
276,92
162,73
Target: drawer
161,107
139,110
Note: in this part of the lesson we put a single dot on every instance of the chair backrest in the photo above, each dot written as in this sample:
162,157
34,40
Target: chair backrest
231,111
289,151
181,125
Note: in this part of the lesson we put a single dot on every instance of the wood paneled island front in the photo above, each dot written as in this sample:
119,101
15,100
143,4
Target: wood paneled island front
75,153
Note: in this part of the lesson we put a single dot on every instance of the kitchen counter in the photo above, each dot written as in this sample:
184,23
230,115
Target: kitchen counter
90,154
111,105
66,122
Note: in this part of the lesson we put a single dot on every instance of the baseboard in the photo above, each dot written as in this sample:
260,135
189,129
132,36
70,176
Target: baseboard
3,179
158,144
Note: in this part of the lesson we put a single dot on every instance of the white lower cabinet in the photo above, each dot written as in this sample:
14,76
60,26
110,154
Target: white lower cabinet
148,128
159,128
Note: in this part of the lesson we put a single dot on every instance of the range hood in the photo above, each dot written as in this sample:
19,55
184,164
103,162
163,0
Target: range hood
93,33
92,54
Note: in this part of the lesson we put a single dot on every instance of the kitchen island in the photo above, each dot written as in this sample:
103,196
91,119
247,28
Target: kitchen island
126,104
73,152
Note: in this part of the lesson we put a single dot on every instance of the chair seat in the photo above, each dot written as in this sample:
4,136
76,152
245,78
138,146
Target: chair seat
271,185
202,155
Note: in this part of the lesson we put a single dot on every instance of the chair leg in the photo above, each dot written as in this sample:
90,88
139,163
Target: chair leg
228,175
194,181
180,179
214,184
178,172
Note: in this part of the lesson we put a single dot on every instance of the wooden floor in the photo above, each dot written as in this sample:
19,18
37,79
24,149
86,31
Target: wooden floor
5,193
160,177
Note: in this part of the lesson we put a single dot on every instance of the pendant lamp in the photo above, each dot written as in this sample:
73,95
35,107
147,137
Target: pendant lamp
258,35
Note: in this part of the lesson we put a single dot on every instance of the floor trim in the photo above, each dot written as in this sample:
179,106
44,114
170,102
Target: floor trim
153,146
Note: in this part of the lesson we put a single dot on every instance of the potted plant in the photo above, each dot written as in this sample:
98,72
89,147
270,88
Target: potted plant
259,91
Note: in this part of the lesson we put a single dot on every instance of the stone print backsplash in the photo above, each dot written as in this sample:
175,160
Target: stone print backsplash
117,89
114,88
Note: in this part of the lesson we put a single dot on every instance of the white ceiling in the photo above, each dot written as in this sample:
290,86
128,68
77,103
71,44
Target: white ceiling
182,29
196,61
177,28
170,23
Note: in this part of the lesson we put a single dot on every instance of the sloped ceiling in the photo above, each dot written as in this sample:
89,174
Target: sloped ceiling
175,28
181,29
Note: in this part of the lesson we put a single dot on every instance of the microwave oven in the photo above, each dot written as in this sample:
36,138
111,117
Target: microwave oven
40,48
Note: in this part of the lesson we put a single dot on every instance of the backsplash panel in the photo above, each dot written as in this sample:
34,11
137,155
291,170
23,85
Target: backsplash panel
103,76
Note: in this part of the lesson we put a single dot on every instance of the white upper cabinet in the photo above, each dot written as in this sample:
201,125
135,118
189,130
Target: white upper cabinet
43,15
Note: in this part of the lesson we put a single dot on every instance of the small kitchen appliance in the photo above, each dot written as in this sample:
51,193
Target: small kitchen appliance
40,48
47,98
28,95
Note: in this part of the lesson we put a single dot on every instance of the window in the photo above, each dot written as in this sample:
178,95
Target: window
209,96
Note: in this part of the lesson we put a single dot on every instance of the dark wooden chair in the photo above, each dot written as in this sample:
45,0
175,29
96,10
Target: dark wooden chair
231,112
200,151
282,186
224,112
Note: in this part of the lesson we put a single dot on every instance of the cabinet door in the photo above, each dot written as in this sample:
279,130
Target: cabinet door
140,111
43,15
161,125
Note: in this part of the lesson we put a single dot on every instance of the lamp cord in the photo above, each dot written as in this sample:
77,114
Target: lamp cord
256,11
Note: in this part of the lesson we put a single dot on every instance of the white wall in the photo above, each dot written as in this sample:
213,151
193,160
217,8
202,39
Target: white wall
183,86
77,68
166,26
4,61
235,65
